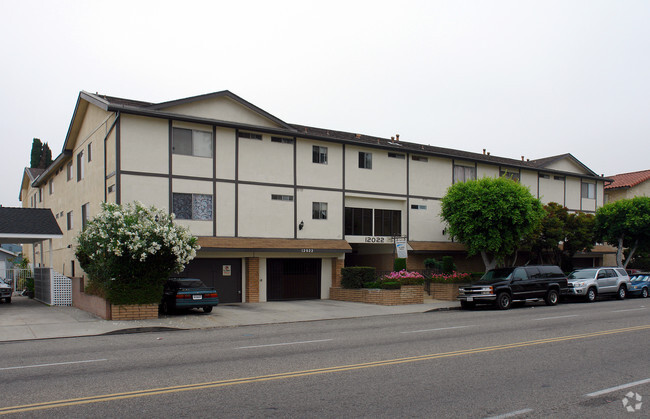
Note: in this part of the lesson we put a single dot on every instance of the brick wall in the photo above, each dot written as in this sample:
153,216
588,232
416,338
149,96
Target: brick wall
252,280
408,294
90,303
447,292
134,312
337,265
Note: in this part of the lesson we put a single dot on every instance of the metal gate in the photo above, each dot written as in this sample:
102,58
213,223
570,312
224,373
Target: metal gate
293,279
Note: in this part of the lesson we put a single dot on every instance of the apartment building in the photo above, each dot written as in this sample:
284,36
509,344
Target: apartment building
278,208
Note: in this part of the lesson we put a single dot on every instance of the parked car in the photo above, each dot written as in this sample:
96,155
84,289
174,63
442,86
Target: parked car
639,284
186,293
503,286
589,283
5,291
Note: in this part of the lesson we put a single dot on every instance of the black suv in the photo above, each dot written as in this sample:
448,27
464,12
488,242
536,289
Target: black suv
502,286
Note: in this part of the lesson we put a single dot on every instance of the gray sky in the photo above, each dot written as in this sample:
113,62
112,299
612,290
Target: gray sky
531,78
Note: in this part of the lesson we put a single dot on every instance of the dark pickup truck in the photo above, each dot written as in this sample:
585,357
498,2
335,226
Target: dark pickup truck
503,286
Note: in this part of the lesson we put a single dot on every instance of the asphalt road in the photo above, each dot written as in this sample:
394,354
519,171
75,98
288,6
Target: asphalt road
571,360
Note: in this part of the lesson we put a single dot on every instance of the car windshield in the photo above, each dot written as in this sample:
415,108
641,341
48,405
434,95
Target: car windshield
190,283
583,274
492,274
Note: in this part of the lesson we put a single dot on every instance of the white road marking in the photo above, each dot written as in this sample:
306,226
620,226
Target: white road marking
283,344
628,309
558,317
511,414
53,365
617,388
435,330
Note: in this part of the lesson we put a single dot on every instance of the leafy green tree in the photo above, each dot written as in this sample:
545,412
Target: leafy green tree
491,216
128,251
37,152
625,223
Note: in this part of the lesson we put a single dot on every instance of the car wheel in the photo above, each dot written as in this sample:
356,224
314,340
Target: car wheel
467,305
8,300
504,300
591,295
644,293
621,293
207,309
551,297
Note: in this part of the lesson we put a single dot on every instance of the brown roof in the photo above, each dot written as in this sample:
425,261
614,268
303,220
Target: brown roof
270,245
627,180
422,247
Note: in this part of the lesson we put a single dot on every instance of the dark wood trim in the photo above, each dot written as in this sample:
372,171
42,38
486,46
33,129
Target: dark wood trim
236,182
408,199
342,190
214,180
170,177
295,189
118,165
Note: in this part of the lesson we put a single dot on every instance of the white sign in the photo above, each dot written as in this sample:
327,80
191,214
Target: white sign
400,246
227,270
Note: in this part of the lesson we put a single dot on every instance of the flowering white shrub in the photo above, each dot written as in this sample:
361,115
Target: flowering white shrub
134,243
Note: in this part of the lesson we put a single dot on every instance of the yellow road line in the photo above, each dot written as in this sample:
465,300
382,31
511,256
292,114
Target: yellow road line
280,376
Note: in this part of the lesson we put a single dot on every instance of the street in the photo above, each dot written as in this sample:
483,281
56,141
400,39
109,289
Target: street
571,360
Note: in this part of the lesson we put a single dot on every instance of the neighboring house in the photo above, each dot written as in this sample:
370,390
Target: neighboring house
278,208
627,185
6,261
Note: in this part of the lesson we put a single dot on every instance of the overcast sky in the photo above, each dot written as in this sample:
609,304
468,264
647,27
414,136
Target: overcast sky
531,78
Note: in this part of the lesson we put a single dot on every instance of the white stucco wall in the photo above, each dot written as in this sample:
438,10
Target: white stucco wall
144,144
261,216
225,153
265,161
430,178
332,227
387,175
225,204
329,175
426,225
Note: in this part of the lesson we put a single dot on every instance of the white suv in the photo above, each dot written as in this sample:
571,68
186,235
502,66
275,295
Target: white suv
592,282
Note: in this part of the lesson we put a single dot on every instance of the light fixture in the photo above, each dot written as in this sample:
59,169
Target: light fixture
301,225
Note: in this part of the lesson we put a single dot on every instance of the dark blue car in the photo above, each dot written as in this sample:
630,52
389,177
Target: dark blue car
639,284
186,293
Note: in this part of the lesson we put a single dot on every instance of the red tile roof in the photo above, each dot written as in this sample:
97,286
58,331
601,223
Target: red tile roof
627,180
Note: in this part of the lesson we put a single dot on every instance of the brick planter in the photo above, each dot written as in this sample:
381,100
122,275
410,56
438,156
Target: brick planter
446,292
134,312
408,294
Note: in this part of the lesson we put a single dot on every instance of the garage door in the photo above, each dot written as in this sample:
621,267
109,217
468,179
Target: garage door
222,274
293,279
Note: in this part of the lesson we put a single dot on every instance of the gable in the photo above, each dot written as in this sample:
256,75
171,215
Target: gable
568,164
223,109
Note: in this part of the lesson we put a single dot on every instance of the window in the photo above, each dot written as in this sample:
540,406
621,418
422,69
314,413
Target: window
282,197
319,210
250,135
190,142
69,223
189,206
365,160
510,175
51,186
464,173
319,154
419,158
80,166
388,222
588,190
40,194
68,170
396,156
543,176
90,152
418,207
558,177
358,221
282,140
84,215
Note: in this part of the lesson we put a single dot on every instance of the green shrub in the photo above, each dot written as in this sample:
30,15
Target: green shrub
391,285
432,263
399,264
356,276
448,264
143,292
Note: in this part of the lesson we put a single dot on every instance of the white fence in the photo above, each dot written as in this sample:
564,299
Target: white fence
17,277
52,288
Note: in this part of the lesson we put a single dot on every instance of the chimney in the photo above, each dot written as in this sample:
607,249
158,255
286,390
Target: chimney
522,158
488,153
483,151
392,139
396,137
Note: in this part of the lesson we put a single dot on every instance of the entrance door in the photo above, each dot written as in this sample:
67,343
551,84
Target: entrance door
222,274
293,279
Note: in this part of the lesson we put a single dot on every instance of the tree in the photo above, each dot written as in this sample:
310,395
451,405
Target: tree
46,157
562,234
37,152
625,223
491,216
128,251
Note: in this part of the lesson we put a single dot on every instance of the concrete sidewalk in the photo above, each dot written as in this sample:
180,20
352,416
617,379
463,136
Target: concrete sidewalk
26,319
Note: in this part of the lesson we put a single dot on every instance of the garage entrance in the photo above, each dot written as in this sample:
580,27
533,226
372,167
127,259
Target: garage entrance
293,279
222,274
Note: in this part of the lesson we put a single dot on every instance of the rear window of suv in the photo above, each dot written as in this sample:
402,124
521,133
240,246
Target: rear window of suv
621,271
